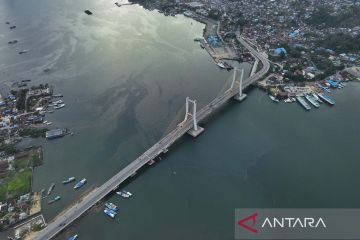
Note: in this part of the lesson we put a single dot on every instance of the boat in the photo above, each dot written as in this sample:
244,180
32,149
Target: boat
221,65
273,98
13,27
118,4
69,180
202,46
317,98
50,111
80,183
303,103
326,99
128,193
123,194
58,95
198,39
60,106
55,133
23,51
112,207
109,212
48,123
57,198
13,42
73,237
228,66
88,12
57,102
52,186
312,100
288,100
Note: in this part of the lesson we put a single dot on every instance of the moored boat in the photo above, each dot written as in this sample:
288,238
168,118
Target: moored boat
221,65
109,212
326,99
69,180
312,100
57,198
73,237
303,103
274,98
112,207
80,183
317,98
123,194
52,186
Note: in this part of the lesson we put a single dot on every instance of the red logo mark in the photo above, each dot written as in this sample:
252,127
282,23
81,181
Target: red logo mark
253,218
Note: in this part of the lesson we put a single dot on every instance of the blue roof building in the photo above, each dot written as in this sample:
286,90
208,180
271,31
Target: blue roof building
279,51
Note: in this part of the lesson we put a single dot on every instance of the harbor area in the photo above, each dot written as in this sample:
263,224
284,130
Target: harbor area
308,94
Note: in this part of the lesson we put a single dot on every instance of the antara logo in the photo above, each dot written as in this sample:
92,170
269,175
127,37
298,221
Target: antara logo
251,217
286,222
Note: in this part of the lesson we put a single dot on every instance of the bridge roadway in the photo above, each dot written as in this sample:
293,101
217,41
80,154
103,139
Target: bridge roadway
71,214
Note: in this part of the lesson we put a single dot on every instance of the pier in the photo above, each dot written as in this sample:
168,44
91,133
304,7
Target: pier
188,125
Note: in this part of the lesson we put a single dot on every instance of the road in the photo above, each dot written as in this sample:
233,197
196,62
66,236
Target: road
71,214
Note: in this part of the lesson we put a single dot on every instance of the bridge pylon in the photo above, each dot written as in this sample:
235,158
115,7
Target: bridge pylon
196,130
239,96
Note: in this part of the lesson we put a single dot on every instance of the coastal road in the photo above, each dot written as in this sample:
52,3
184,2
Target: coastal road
75,211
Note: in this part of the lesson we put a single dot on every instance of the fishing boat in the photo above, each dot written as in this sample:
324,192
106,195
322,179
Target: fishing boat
123,194
69,180
221,65
57,198
326,99
312,100
73,237
52,186
60,106
80,183
317,98
112,207
303,103
274,98
109,212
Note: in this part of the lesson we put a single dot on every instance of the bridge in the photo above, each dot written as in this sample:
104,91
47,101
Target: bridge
189,125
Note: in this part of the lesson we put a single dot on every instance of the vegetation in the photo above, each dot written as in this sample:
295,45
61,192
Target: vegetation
20,104
33,132
9,149
347,18
342,43
16,185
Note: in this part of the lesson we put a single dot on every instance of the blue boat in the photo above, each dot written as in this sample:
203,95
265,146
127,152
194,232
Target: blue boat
73,237
110,213
112,207
326,99
80,183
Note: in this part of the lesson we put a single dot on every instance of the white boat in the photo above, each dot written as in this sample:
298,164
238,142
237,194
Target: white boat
123,194
221,65
288,100
273,98
48,123
317,97
128,193
60,106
